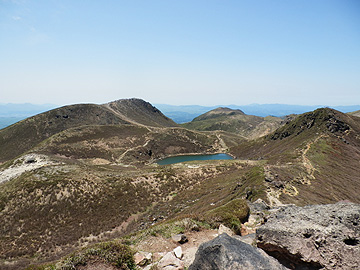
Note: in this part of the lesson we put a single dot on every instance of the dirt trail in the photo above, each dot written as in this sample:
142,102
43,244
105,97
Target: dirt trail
159,245
122,116
222,143
131,149
274,194
310,169
273,197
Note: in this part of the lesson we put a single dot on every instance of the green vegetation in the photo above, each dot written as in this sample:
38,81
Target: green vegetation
231,215
254,183
113,253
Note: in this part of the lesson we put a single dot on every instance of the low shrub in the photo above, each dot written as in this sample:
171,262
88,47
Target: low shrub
231,215
114,253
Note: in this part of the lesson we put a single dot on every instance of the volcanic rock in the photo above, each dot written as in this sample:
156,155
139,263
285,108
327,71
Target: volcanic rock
313,237
227,253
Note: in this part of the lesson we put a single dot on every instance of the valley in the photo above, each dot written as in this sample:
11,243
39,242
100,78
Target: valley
85,174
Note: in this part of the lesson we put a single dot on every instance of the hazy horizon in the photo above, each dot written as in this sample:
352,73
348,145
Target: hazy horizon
180,52
180,105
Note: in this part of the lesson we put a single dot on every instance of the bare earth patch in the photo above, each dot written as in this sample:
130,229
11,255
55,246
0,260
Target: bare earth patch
24,164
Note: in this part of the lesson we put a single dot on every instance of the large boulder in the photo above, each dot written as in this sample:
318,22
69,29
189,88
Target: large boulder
227,253
313,237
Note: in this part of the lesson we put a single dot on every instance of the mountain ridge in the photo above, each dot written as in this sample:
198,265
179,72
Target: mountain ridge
13,112
24,135
235,121
186,113
317,149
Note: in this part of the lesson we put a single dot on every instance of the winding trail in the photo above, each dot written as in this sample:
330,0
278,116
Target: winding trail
274,194
125,118
221,142
132,148
310,169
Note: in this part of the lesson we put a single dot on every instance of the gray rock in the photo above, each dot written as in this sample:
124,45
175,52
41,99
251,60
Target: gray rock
223,229
170,262
313,237
179,238
248,239
259,206
227,253
30,159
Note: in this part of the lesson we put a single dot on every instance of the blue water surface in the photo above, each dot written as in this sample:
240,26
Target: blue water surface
178,159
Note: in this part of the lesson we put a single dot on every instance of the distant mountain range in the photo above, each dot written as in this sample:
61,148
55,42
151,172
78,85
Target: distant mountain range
24,109
186,113
11,113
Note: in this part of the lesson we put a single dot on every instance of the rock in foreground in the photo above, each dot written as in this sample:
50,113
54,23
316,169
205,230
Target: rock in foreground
227,253
314,237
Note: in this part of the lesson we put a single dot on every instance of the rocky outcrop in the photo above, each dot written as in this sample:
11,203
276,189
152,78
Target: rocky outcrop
227,253
313,237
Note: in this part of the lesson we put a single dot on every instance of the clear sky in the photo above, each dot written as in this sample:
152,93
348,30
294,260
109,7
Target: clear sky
176,52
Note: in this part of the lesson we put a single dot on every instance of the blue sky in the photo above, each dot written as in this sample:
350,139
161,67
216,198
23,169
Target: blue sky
180,52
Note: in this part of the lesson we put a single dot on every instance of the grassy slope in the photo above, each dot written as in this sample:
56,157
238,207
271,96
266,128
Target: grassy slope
234,121
127,144
22,136
316,154
141,112
48,212
61,204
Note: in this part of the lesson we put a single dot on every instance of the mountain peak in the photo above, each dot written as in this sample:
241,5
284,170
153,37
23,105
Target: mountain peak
320,120
140,111
218,112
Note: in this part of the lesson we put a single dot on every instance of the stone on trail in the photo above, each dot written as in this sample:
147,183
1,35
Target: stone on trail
178,252
227,253
179,238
